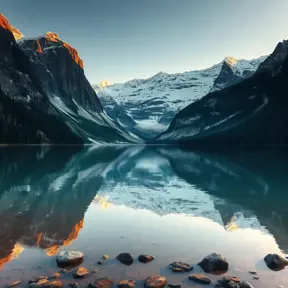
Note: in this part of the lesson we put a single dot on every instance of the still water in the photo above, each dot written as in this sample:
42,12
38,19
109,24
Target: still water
175,204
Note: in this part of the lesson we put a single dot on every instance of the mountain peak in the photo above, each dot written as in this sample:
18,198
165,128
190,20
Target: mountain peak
231,61
4,23
54,37
104,83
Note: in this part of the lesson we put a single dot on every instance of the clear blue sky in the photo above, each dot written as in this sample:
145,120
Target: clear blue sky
124,39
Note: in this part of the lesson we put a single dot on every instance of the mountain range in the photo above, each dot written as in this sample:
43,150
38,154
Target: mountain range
152,103
45,98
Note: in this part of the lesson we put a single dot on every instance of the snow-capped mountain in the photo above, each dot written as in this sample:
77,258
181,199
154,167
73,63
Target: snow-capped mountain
153,102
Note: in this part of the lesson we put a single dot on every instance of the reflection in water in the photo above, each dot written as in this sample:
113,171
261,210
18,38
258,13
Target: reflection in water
45,192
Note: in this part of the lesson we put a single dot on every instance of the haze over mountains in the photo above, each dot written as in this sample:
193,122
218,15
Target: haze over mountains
46,98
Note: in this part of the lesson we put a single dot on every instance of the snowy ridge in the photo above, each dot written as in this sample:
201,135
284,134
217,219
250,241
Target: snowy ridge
158,98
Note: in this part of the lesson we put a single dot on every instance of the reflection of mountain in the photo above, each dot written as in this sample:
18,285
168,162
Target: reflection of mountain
44,195
45,192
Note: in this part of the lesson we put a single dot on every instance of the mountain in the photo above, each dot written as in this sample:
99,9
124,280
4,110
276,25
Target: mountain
252,112
45,96
152,103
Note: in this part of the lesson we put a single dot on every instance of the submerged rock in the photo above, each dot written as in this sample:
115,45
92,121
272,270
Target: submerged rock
275,262
214,263
200,278
81,272
145,258
156,281
180,267
69,258
228,282
125,258
100,262
44,283
101,283
15,283
126,284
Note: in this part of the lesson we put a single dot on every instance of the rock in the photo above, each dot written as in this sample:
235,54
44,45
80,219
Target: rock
105,257
126,284
74,285
125,258
81,272
15,283
275,262
39,283
101,283
256,277
180,267
214,263
100,262
174,285
200,278
145,258
53,284
44,283
245,284
69,258
228,282
253,272
156,281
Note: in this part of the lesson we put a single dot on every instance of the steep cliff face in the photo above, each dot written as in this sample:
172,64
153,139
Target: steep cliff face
251,112
45,96
22,102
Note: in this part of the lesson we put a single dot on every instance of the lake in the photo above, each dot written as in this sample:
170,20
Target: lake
170,202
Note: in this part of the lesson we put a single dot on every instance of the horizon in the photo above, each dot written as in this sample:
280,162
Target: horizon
139,40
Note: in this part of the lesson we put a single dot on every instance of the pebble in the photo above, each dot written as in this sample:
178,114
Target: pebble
125,258
126,284
156,281
200,278
253,272
105,257
255,277
81,272
180,267
101,283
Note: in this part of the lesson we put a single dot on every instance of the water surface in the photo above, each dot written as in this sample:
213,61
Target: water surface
176,204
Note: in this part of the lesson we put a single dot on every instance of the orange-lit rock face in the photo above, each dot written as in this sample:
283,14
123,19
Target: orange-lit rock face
5,24
54,37
39,48
17,34
73,52
72,236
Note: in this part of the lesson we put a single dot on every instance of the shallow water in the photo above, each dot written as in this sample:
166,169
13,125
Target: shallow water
175,204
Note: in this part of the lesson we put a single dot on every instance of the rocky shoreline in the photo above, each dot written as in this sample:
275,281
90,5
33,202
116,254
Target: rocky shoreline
70,261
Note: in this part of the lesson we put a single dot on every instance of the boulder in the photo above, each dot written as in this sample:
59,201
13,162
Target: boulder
180,267
101,283
200,278
214,263
126,284
156,281
275,262
145,258
69,258
81,272
125,258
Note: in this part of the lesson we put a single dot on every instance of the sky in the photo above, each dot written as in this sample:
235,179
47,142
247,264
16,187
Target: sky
120,40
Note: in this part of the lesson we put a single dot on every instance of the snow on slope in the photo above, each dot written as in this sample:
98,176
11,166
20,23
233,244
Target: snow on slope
158,98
